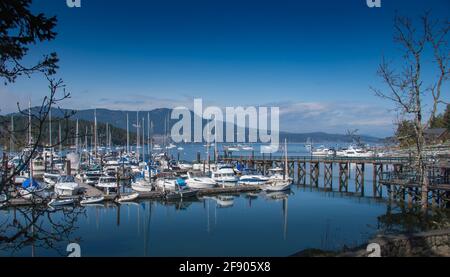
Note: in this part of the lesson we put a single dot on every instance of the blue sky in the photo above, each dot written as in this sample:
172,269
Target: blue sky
314,59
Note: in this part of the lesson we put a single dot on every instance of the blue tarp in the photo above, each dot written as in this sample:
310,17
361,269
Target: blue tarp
27,184
181,182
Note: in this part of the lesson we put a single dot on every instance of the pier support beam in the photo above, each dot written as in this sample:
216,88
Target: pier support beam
314,173
328,177
301,173
359,178
377,176
343,177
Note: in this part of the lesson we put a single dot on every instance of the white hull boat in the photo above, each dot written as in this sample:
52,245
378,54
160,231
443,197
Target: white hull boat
92,200
127,198
61,202
142,186
197,181
66,186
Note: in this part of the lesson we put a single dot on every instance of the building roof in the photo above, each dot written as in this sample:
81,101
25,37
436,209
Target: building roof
435,131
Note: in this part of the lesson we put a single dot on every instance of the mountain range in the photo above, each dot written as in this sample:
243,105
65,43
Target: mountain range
159,118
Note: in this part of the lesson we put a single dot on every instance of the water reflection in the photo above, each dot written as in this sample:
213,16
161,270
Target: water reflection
248,224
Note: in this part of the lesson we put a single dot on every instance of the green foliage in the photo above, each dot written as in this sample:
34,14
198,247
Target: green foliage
406,134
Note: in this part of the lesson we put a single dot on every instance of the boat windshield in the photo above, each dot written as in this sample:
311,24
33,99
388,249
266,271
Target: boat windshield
66,179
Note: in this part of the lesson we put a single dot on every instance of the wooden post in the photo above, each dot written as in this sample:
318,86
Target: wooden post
328,176
68,168
118,183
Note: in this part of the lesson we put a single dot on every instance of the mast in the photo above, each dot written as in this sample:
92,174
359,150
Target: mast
137,135
128,136
286,169
60,142
11,137
50,128
76,138
148,136
86,138
95,132
143,139
107,135
29,123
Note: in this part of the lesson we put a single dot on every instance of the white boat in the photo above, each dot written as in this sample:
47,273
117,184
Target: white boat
185,166
170,184
322,152
171,146
233,149
197,180
92,200
279,181
251,177
180,148
225,175
61,202
51,178
38,167
66,186
31,188
354,152
3,198
247,148
141,186
127,198
107,182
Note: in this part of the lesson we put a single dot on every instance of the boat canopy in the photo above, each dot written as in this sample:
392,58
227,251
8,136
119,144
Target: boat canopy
30,183
181,182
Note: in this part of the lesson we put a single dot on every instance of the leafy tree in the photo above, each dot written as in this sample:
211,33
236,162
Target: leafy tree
405,133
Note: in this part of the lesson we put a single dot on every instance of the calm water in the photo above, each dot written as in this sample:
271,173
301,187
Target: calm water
241,225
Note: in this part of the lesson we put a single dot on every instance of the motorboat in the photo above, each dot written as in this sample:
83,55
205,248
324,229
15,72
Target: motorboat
322,152
251,177
91,177
66,186
127,198
225,175
51,178
355,152
197,180
38,164
142,185
31,188
92,200
247,148
181,191
170,184
107,183
61,202
171,146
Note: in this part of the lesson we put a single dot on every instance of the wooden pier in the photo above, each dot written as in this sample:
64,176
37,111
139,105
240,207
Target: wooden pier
303,167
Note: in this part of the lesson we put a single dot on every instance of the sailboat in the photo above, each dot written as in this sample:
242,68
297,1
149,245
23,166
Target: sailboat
280,182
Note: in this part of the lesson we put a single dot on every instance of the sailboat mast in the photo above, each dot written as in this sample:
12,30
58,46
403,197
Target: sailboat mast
50,128
60,142
128,136
11,137
137,136
148,136
77,137
286,168
29,123
95,132
143,139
